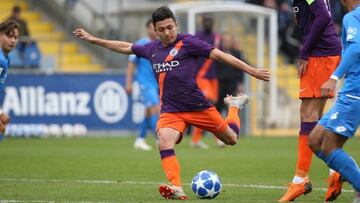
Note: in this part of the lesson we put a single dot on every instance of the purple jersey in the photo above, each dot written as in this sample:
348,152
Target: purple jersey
175,70
317,28
213,39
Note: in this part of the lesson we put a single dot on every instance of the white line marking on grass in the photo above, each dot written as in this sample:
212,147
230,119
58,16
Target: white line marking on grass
17,201
144,183
41,201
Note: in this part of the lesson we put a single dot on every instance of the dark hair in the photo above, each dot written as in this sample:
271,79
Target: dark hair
8,27
148,22
161,14
16,9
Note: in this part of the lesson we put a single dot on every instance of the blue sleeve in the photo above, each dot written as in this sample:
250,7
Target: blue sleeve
351,44
132,58
348,59
351,24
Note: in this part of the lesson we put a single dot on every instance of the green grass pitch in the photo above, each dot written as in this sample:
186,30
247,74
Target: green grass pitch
108,169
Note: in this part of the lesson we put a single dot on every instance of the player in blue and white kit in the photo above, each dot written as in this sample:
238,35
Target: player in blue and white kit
9,33
148,88
343,119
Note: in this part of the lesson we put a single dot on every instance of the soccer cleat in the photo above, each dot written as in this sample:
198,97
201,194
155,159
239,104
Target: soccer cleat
199,144
220,143
141,144
237,101
172,192
334,187
295,190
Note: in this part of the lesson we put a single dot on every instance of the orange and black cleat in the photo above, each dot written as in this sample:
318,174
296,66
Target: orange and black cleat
335,182
295,190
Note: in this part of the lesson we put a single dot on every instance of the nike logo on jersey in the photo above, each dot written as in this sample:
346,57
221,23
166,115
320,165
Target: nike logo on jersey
302,90
153,55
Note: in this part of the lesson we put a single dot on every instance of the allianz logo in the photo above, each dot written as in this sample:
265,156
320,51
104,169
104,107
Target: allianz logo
34,101
110,102
166,66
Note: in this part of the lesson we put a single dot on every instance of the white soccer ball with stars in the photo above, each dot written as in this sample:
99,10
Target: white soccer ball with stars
206,184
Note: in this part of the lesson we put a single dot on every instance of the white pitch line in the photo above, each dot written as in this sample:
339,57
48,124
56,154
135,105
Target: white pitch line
40,201
144,183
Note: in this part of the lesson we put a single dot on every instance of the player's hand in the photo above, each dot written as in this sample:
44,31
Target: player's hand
82,34
302,66
260,73
328,87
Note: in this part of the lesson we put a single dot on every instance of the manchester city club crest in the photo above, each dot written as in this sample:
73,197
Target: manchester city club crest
173,52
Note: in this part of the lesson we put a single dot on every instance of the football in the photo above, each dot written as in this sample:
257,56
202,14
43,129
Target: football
206,184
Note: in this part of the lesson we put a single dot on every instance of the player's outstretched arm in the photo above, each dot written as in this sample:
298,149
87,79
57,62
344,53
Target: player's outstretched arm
117,46
262,74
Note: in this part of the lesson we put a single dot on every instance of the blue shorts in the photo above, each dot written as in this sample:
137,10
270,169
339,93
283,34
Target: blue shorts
344,117
149,96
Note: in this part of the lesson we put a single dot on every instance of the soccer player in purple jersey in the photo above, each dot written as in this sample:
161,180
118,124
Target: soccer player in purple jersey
173,57
319,56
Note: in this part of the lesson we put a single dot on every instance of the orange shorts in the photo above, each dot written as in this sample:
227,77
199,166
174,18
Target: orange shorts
209,119
319,70
210,88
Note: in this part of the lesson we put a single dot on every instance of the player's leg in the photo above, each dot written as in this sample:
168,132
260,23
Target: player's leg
335,181
309,115
336,158
170,130
335,127
234,104
140,142
226,130
318,71
151,101
196,139
153,117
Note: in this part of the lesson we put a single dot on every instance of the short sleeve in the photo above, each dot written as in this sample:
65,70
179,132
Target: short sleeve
132,58
142,50
352,28
194,46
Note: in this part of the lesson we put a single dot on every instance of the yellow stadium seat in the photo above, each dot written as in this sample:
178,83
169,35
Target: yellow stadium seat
94,68
48,36
75,59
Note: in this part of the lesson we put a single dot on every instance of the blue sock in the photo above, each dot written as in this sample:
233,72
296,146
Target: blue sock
153,122
144,128
341,162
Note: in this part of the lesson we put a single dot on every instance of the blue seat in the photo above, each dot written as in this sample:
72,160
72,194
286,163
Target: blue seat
32,55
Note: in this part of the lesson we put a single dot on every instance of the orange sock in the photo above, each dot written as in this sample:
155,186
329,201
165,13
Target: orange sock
196,137
171,166
304,152
304,157
233,119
